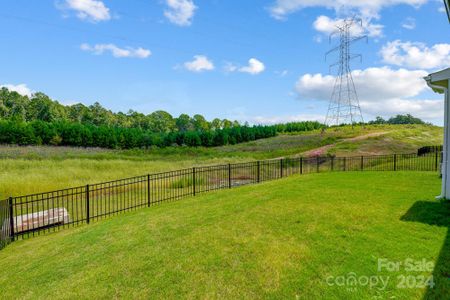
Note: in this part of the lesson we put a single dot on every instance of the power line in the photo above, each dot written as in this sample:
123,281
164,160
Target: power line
237,28
81,30
118,37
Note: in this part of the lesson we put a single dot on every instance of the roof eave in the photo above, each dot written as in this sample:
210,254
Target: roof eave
439,81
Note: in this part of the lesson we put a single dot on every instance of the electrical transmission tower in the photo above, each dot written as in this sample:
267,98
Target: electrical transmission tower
344,104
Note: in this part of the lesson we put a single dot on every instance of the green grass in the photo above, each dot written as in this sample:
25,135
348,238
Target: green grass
396,139
25,170
185,182
280,240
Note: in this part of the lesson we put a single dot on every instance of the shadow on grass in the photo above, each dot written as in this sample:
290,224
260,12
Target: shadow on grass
435,214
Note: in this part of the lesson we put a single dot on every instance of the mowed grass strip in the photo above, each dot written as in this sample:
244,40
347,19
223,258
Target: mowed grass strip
280,239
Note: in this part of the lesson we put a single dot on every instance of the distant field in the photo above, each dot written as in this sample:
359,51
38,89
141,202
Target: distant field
285,239
26,170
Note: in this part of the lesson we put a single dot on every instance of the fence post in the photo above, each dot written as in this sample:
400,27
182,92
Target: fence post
229,176
345,164
362,163
436,161
11,218
317,161
281,168
259,172
395,162
332,163
193,180
301,165
148,190
87,204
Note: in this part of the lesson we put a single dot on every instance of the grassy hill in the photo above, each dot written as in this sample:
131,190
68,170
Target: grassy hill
390,139
286,239
26,170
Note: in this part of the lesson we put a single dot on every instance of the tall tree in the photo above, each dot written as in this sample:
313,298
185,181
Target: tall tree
100,115
226,124
162,121
42,108
216,124
200,123
77,113
184,123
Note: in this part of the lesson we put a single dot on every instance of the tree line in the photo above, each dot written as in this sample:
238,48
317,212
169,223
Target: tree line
39,106
76,134
398,120
39,120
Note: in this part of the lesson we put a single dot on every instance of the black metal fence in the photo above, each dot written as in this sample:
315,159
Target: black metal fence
31,215
5,222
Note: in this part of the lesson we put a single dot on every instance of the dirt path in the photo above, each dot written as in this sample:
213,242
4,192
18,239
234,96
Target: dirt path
324,149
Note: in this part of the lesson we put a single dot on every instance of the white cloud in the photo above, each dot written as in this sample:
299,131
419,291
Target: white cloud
416,55
409,23
328,25
180,12
99,49
254,67
91,10
22,89
372,84
425,109
442,9
382,91
282,73
230,67
369,8
199,64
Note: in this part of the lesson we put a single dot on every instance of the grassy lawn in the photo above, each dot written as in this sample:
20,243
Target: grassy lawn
282,239
25,170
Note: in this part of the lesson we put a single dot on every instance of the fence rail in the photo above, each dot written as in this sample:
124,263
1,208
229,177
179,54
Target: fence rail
30,215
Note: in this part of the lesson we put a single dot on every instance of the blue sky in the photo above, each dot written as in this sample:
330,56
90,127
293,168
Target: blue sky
256,61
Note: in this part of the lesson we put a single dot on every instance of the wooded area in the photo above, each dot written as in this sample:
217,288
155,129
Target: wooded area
40,120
